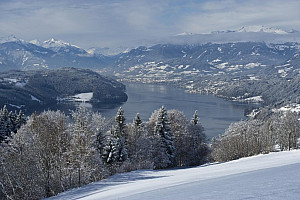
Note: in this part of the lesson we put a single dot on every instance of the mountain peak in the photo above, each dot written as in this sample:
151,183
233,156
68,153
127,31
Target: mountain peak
57,44
257,29
262,29
10,38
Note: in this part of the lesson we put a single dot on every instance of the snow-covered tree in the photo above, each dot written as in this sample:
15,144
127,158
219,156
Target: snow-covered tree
164,149
139,145
50,141
21,174
107,147
82,149
10,122
120,134
178,123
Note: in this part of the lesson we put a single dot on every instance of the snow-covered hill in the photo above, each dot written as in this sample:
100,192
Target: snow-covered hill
272,176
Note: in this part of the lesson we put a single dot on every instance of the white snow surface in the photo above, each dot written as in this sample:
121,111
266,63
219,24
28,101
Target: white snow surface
271,176
256,99
265,29
33,98
83,97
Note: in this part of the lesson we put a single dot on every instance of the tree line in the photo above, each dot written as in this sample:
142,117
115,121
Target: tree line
278,132
52,152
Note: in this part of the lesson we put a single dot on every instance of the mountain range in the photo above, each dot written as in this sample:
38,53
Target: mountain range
245,50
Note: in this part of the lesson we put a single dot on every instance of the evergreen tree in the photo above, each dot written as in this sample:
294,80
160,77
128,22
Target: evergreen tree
109,151
195,118
10,122
198,150
164,154
138,122
20,120
119,132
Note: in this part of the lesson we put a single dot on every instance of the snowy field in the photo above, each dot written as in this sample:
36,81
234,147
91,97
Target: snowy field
272,176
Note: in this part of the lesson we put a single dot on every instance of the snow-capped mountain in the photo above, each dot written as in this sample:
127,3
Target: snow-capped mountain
184,55
19,54
257,29
263,29
61,46
108,51
244,34
10,38
169,62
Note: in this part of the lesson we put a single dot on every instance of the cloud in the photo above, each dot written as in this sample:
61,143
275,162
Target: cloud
128,22
226,14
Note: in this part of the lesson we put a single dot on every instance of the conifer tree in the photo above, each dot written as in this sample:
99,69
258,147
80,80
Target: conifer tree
109,151
119,132
9,123
138,122
164,155
195,118
197,149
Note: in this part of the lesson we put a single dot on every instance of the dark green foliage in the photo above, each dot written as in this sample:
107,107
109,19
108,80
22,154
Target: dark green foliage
10,122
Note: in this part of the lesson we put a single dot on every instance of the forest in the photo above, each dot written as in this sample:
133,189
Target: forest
48,153
52,152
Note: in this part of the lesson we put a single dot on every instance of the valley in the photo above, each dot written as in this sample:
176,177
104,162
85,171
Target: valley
187,100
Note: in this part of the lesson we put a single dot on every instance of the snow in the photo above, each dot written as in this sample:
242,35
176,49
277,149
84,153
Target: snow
256,99
216,60
289,108
10,38
271,176
57,44
183,34
19,107
83,97
11,80
252,65
33,98
265,29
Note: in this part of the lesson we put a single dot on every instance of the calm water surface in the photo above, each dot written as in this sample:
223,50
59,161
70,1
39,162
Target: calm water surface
215,114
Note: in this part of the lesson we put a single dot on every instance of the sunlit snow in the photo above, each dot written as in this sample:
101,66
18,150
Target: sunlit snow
83,97
272,176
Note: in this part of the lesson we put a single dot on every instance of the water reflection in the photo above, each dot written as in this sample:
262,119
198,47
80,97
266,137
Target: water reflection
215,114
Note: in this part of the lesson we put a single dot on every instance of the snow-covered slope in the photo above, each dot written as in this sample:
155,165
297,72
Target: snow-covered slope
272,176
263,29
59,45
258,28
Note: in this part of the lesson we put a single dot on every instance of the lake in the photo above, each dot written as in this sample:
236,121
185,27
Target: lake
215,114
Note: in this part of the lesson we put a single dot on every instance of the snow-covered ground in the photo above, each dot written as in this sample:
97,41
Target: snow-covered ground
83,97
272,176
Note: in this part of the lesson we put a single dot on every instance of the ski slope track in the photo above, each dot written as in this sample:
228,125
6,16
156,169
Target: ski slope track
271,176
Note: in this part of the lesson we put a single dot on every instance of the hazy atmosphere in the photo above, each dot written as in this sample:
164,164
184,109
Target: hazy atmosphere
115,23
149,99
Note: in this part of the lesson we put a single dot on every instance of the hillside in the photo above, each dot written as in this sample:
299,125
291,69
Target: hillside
34,89
272,176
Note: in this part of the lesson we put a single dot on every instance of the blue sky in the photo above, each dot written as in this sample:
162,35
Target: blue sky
113,23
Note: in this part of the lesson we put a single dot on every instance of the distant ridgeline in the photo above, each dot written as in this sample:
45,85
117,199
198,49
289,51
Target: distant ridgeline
33,89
